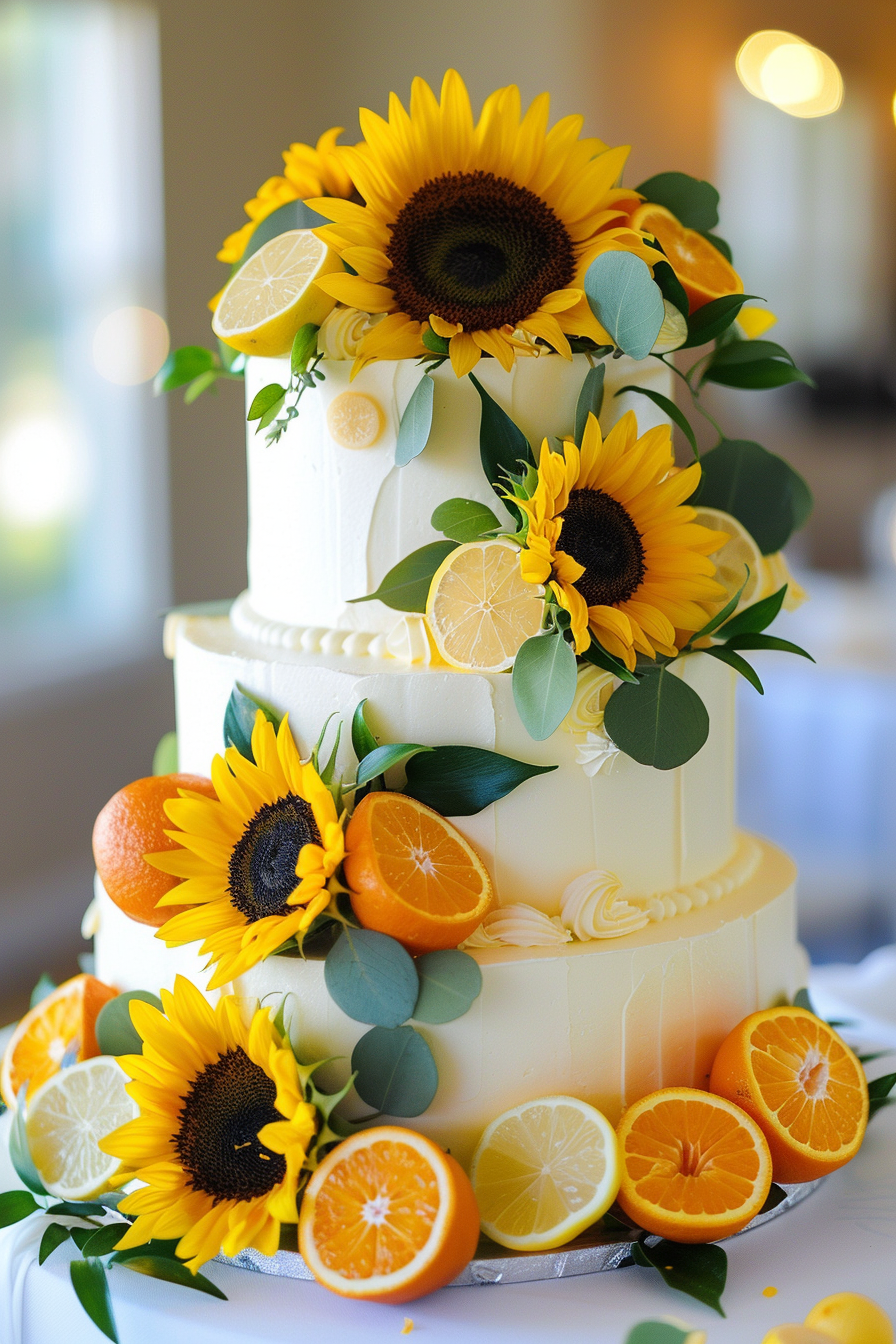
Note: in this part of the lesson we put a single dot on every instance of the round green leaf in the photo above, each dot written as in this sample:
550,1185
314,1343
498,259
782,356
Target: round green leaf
693,202
626,301
115,1032
164,761
756,487
450,981
544,683
396,1073
661,721
371,978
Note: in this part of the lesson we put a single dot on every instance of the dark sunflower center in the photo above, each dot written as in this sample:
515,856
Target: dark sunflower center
263,862
599,533
217,1138
477,249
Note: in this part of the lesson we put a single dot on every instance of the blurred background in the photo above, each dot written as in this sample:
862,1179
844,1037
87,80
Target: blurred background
130,136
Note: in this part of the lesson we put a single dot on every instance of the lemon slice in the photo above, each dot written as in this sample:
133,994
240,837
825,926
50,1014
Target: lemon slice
545,1171
731,560
480,608
355,420
66,1119
262,307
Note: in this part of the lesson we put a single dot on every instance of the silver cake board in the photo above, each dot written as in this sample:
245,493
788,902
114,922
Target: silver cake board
591,1253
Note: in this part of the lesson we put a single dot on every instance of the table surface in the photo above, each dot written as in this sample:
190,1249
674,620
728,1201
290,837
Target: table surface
843,1237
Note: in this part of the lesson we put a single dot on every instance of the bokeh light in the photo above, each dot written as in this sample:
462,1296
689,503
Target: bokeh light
43,469
785,70
130,345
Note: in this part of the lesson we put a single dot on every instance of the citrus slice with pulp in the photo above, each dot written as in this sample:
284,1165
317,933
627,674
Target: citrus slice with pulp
802,1085
57,1031
265,303
387,1216
68,1116
354,420
702,269
412,874
850,1318
695,1167
543,1172
735,557
480,608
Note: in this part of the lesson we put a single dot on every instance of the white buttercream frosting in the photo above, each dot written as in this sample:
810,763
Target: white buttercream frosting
301,638
342,331
597,754
594,906
408,640
519,926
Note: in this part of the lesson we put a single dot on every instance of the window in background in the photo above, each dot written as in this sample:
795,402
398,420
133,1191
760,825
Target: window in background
83,540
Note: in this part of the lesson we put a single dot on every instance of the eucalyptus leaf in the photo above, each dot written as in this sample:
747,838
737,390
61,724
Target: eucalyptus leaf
55,1234
406,586
182,366
658,1332
660,722
591,399
544,683
503,447
668,407
20,1151
171,1271
395,1071
723,654
671,287
92,1291
699,1270
239,720
164,759
755,618
693,202
292,215
416,423
450,982
381,759
625,300
461,781
464,519
771,642
45,985
801,1000
18,1204
304,347
713,318
266,398
363,740
757,487
115,1032
879,1093
371,978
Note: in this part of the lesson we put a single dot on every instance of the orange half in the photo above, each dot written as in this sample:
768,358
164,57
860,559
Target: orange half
703,271
59,1030
388,1217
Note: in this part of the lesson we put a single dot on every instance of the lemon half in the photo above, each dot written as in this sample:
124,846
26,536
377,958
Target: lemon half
480,608
66,1119
265,303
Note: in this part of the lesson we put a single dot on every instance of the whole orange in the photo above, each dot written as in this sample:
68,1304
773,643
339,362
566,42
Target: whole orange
133,823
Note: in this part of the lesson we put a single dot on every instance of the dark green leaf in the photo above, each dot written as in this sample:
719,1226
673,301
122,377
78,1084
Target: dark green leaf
757,641
671,287
760,373
406,586
164,760
502,446
464,519
239,720
879,1093
182,366
381,759
115,1032
774,1197
591,399
45,985
801,1000
80,1236
801,500
660,722
304,347
371,978
753,619
748,352
668,407
20,1152
17,1204
264,400
104,1239
363,740
874,1054
54,1235
71,1208
625,300
200,385
460,781
698,1270
89,1282
450,981
598,656
544,683
725,655
713,318
720,616
437,344
416,423
758,488
292,215
396,1073
167,1249
657,1332
694,203
719,244
170,1271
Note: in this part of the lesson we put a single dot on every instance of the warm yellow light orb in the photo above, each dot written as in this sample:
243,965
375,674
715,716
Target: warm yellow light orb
791,73
785,70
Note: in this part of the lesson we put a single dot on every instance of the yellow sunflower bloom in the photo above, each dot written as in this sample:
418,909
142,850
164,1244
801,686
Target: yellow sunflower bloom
480,230
256,861
308,171
609,532
223,1129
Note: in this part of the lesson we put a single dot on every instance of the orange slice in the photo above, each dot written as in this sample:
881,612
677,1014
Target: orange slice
694,1167
802,1085
58,1030
388,1216
703,271
412,874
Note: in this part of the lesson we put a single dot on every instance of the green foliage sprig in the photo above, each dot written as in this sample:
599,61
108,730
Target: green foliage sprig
269,403
199,369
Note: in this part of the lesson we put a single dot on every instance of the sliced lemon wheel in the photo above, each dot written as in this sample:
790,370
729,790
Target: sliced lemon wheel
266,302
355,420
480,608
545,1171
66,1119
731,560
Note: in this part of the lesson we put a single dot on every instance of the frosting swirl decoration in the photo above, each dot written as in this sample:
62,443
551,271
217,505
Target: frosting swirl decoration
593,906
519,926
342,331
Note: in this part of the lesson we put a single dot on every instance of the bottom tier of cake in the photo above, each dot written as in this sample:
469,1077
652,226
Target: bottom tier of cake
607,1021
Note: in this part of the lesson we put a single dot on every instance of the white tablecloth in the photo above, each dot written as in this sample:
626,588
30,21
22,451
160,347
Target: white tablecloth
842,1238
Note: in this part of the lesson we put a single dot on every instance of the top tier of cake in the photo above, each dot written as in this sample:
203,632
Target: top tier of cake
327,522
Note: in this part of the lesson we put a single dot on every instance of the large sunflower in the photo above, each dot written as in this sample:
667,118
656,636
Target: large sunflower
223,1129
478,230
608,530
257,861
